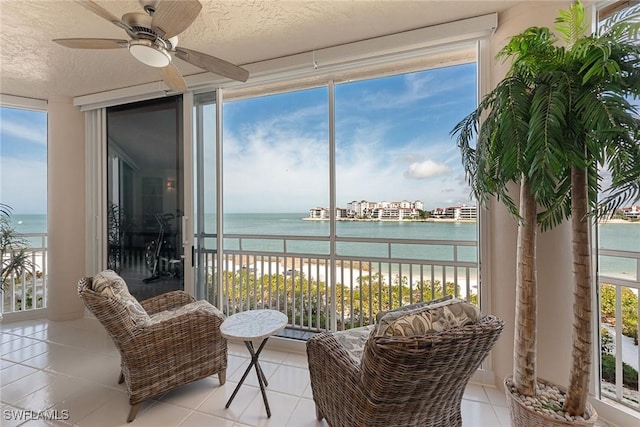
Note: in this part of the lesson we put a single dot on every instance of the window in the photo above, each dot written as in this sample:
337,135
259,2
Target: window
23,194
346,198
619,283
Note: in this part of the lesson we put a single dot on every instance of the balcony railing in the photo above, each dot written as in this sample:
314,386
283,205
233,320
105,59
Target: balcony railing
322,292
620,311
28,291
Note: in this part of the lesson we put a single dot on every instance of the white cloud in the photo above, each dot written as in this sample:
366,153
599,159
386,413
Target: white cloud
23,131
274,170
23,185
427,169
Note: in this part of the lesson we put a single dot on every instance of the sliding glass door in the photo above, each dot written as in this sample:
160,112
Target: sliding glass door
145,195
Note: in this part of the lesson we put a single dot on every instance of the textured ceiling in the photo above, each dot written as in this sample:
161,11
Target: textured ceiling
239,31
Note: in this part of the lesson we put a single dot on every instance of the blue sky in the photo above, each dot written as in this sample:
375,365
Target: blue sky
392,143
23,160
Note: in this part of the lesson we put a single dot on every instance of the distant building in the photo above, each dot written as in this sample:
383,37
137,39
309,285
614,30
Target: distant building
319,213
438,213
463,212
365,209
632,212
323,213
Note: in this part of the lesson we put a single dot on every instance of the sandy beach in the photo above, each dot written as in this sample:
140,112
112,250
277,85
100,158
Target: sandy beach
347,273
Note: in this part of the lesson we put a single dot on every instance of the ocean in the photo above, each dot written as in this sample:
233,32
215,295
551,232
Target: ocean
614,236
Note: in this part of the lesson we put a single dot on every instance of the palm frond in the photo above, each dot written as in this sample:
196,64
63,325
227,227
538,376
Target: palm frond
624,16
5,210
571,23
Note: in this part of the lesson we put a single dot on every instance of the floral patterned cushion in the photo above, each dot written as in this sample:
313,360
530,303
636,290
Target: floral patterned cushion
200,305
428,319
353,340
110,284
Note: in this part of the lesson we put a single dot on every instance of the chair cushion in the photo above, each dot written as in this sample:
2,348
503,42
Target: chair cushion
428,319
110,284
353,340
410,307
200,305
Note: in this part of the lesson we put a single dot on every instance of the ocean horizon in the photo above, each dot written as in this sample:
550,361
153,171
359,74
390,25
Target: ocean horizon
616,235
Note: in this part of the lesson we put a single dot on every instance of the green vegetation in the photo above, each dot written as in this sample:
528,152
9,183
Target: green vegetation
629,375
307,303
608,363
16,260
629,306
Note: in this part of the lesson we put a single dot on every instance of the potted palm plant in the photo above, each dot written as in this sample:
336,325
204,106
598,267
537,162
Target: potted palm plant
555,125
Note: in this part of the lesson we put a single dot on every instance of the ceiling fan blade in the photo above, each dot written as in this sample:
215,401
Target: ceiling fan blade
103,13
173,17
93,43
213,64
173,78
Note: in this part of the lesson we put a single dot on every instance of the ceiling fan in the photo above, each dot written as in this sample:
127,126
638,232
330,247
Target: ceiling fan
154,36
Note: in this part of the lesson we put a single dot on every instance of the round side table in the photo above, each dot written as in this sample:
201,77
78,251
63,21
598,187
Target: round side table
249,326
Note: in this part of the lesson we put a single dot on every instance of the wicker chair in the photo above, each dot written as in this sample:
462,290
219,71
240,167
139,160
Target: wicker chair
181,345
401,381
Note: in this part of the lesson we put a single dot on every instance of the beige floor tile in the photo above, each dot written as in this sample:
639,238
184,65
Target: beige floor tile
281,405
14,373
74,367
215,403
476,393
304,415
17,390
192,395
198,419
478,414
289,380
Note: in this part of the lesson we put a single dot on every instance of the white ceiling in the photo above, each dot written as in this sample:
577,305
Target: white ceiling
239,31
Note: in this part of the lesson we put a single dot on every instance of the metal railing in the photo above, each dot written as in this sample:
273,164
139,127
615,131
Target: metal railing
320,292
28,291
620,311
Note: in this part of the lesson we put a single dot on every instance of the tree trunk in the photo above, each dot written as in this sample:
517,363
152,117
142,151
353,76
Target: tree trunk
581,354
524,350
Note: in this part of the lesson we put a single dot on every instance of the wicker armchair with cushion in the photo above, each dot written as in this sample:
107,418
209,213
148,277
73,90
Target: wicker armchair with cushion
409,369
164,342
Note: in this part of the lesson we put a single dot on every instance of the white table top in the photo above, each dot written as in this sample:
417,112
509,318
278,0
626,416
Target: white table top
253,324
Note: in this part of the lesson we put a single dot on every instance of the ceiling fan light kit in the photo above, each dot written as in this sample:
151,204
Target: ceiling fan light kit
154,38
148,53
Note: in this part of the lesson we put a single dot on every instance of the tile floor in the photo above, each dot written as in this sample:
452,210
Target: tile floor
70,369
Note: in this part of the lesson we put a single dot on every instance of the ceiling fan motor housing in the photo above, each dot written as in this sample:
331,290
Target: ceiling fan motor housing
140,28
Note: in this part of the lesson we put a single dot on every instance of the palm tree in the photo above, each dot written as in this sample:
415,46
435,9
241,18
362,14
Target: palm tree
555,125
14,257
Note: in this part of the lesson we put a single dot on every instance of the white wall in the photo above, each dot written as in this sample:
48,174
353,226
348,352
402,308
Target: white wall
66,208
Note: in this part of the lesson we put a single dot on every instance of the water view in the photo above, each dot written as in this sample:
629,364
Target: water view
621,236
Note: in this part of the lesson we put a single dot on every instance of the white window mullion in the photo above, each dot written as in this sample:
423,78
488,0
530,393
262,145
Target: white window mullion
96,175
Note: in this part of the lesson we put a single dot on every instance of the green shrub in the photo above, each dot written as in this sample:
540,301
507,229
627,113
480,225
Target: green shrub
629,375
629,307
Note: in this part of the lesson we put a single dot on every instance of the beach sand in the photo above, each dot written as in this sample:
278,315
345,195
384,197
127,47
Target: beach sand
348,273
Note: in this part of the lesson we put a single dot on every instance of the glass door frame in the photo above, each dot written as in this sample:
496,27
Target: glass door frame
96,190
